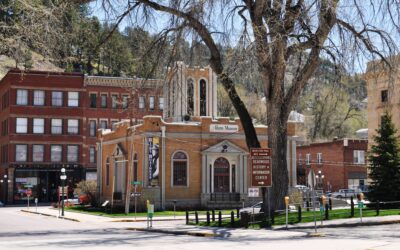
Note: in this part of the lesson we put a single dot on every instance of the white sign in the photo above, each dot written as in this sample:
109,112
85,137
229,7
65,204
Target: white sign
254,192
224,128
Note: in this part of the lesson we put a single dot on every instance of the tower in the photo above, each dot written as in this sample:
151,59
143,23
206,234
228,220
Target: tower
190,91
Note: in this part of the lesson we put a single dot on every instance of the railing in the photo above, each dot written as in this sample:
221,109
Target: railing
225,197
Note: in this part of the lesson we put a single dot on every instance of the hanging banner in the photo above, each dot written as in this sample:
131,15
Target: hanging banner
153,157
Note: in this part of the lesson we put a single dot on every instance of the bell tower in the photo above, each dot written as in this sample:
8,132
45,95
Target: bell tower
190,92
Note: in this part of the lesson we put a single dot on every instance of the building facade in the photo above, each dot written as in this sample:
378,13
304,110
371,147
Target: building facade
337,164
192,158
49,121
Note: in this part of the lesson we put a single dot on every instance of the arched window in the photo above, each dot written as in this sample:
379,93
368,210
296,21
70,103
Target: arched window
203,98
190,94
179,169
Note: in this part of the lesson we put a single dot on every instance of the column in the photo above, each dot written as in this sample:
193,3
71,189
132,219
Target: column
203,174
163,145
245,174
241,174
212,178
230,178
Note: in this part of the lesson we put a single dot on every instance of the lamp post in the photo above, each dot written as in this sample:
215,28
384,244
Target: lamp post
5,182
320,179
63,177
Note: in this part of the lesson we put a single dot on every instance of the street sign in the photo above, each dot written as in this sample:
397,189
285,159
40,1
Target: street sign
136,183
254,192
60,192
136,194
29,192
261,172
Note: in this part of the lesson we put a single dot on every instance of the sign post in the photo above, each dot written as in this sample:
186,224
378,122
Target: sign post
36,202
135,194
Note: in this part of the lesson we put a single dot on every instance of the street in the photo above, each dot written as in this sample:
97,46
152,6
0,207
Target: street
19,230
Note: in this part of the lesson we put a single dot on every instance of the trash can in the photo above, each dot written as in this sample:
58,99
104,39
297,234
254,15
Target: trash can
244,219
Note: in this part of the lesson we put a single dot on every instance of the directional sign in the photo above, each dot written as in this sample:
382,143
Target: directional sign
29,192
261,172
136,194
136,183
254,192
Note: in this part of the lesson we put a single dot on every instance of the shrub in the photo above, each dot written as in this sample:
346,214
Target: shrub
86,191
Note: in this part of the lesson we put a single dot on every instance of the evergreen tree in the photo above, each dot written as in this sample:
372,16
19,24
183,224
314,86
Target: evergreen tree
384,162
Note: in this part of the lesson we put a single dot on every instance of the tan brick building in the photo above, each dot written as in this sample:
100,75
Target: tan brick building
192,157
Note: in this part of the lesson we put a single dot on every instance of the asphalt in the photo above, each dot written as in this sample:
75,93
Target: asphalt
177,226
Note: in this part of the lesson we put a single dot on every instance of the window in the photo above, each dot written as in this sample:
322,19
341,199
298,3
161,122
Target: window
73,126
113,123
21,152
4,127
57,98
73,99
22,125
4,154
92,154
38,125
308,159
72,153
384,95
104,101
125,101
135,168
190,99
92,128
141,102
114,99
38,97
108,171
56,153
56,126
359,156
179,163
5,101
93,99
319,158
203,97
22,97
103,124
151,102
38,153
161,99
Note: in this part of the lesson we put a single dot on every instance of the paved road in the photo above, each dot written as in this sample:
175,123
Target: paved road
20,230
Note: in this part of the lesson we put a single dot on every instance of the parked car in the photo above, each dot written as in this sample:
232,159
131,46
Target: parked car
72,201
302,188
256,208
344,193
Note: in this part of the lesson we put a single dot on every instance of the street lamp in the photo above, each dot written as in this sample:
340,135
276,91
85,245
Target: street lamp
5,180
320,178
63,177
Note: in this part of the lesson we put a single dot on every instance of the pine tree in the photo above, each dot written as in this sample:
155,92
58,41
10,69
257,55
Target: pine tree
384,163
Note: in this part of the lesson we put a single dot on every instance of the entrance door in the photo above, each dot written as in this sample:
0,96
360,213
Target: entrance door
221,175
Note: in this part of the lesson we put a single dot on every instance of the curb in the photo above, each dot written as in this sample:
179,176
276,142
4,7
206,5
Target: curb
175,232
357,224
50,215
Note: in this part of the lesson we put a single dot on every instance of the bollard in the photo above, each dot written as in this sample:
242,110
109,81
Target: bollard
208,218
187,217
326,212
352,207
196,217
377,208
213,215
232,218
330,204
237,213
308,206
299,213
219,218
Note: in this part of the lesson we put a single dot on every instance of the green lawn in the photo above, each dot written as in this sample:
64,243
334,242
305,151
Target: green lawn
101,212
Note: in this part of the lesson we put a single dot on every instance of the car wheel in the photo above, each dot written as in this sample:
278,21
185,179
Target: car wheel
339,197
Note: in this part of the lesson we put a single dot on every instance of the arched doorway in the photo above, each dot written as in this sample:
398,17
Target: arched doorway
221,175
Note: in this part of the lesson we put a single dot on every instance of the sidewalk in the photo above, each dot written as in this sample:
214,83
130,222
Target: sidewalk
178,227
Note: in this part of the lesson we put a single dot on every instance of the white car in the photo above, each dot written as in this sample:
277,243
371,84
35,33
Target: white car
344,193
256,208
1,204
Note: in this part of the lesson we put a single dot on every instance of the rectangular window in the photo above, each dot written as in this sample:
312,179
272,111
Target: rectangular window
104,101
103,124
319,158
141,102
4,127
4,154
92,154
151,102
22,97
73,99
359,156
114,99
308,159
38,97
57,98
5,101
21,125
21,153
72,153
384,95
179,174
93,100
38,125
125,101
56,153
161,99
38,153
92,128
56,126
73,126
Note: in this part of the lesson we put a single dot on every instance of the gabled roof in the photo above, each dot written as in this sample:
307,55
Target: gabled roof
225,147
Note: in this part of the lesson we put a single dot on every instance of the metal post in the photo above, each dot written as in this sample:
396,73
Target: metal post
62,199
287,216
135,199
313,200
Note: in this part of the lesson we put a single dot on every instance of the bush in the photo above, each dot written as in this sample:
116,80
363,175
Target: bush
86,191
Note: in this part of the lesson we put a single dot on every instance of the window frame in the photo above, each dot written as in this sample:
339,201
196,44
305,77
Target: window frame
72,100
33,125
33,152
161,103
308,159
142,102
92,154
103,102
56,99
125,101
42,99
25,131
73,130
94,134
25,146
76,156
319,158
186,185
21,100
357,155
152,101
51,152
53,127
92,100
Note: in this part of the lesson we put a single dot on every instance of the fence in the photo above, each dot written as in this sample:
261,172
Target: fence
226,217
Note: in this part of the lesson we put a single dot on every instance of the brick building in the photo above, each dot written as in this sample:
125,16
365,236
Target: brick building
341,162
49,120
190,156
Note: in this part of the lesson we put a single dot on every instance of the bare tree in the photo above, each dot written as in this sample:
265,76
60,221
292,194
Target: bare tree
276,32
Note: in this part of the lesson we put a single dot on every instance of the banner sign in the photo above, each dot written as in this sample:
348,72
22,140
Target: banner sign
224,128
261,172
153,151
